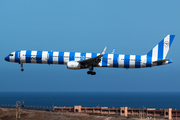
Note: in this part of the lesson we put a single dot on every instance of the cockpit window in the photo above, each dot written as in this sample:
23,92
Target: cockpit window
10,54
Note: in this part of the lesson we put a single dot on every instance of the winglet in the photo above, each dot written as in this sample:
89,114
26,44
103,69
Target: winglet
103,52
113,51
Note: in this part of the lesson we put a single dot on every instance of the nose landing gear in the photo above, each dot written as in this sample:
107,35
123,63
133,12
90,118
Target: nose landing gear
91,71
22,67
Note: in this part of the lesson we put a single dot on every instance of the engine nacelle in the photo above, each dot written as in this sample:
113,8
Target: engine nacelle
73,65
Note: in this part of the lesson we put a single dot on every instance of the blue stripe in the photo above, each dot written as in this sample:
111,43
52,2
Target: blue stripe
126,61
171,39
72,56
137,61
61,58
105,60
83,56
28,56
39,57
94,55
149,59
115,60
160,51
50,60
17,59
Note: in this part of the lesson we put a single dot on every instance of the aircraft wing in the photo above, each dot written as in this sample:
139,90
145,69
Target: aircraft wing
94,60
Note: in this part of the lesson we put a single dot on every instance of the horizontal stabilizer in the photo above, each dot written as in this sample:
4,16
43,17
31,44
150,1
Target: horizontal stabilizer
161,60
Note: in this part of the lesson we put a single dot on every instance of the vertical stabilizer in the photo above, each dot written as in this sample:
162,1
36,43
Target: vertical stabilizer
160,51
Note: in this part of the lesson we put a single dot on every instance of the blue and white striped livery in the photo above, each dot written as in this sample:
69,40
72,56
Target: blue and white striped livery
78,60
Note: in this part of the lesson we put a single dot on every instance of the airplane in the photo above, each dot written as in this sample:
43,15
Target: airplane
78,60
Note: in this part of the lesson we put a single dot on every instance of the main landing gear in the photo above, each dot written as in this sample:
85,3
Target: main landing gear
91,71
22,67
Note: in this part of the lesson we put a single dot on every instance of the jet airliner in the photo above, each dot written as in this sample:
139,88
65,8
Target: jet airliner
78,60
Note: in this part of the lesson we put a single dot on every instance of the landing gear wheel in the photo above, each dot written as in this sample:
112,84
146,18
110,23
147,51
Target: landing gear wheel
22,69
91,72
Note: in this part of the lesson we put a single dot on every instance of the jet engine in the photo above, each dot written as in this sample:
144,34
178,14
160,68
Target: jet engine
73,65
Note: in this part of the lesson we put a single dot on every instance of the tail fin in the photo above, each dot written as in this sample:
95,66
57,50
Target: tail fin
160,51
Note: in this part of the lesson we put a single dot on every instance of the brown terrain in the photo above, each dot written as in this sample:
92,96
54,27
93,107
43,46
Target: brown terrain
26,114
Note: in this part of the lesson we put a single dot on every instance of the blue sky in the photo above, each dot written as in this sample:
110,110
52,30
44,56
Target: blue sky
132,27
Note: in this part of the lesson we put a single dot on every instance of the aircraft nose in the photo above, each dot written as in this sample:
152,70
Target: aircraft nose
6,58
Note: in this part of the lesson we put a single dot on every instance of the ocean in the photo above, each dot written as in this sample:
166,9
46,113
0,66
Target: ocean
158,100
